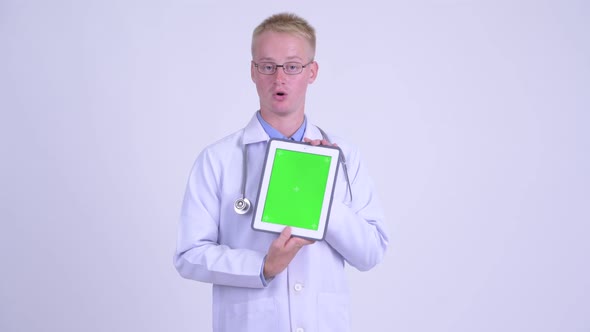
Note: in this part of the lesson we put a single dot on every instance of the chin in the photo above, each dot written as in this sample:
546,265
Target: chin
283,112
281,109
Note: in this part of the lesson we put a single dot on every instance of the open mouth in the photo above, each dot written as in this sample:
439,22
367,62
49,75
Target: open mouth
280,94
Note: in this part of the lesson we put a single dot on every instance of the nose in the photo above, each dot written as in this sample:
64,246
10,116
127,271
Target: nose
280,76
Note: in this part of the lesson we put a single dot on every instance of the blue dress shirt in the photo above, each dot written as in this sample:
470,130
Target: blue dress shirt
273,133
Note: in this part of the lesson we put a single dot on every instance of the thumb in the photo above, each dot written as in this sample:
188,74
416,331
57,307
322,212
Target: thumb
285,235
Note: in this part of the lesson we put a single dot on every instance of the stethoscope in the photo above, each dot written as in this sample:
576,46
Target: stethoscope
242,205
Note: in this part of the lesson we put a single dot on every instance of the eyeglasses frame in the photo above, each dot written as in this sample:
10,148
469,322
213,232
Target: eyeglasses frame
303,66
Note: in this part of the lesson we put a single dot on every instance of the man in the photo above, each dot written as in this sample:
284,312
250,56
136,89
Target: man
264,281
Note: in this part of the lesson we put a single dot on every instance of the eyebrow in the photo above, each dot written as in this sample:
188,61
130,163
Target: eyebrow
289,59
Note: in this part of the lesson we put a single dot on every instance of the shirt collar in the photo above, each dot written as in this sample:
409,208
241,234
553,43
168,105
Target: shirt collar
273,133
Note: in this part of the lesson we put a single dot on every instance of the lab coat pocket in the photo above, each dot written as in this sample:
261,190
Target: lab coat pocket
258,315
333,312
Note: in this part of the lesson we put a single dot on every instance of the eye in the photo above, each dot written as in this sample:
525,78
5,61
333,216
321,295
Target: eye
267,67
292,67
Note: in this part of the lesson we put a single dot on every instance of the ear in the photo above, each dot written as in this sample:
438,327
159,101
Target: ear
313,72
252,71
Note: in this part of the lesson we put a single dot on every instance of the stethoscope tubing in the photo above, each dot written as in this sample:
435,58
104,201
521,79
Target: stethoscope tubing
242,204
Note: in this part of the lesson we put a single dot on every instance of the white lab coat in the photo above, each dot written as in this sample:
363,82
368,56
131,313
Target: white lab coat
218,246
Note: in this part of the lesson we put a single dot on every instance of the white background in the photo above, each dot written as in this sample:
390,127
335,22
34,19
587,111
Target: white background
473,117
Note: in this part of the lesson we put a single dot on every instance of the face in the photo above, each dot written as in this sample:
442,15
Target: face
281,94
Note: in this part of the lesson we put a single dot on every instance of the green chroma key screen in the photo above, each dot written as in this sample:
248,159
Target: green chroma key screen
296,189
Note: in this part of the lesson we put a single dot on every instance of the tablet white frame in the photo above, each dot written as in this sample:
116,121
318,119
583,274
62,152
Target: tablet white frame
274,144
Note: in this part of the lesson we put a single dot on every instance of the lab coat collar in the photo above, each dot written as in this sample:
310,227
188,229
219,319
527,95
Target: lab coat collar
253,132
312,131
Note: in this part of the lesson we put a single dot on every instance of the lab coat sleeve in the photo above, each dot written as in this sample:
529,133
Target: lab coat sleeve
199,256
355,228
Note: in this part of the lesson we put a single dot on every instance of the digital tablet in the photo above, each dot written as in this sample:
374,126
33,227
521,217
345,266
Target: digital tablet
296,188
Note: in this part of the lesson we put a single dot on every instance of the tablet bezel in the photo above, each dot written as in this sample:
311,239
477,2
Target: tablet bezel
325,150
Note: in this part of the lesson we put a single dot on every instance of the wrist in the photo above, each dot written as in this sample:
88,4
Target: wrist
265,275
265,272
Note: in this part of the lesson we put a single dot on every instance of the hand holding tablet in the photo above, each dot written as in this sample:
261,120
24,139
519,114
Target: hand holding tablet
296,188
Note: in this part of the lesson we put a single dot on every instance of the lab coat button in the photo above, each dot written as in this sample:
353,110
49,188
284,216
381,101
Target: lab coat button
298,287
299,329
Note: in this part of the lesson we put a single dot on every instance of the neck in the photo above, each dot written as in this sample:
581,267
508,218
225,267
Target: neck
286,124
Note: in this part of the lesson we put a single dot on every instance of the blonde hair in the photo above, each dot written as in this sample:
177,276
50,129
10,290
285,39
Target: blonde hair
286,23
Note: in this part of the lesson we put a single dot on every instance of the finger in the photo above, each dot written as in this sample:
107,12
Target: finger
305,242
306,139
293,244
298,242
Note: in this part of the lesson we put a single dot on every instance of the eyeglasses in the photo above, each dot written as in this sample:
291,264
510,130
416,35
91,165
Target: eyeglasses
290,68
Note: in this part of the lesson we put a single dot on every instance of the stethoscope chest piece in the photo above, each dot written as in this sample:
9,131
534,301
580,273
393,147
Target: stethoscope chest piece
242,205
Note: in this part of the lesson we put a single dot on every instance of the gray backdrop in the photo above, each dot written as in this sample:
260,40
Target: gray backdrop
472,116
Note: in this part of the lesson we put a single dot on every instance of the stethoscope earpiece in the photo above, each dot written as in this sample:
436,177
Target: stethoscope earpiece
242,205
